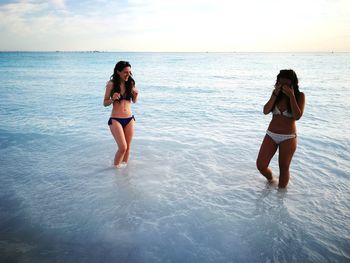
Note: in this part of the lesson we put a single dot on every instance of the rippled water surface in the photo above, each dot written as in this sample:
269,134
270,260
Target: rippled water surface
191,192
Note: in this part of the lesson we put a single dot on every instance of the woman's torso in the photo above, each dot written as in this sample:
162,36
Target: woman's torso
122,106
121,109
282,122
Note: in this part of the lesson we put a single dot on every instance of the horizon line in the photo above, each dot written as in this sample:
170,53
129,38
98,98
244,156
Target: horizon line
110,51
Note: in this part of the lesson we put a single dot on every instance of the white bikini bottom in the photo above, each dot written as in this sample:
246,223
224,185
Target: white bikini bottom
278,138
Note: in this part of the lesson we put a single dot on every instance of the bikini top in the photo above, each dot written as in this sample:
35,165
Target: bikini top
125,97
286,113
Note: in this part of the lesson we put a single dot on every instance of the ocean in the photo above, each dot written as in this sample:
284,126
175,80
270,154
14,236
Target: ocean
191,191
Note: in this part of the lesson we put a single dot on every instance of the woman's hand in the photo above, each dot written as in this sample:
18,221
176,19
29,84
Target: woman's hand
288,90
116,96
277,89
134,91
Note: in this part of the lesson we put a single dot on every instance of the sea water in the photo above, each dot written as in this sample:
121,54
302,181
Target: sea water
191,191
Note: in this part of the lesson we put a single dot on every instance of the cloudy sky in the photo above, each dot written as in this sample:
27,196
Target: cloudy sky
175,25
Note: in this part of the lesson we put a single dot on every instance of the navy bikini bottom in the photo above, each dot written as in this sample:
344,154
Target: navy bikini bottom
122,121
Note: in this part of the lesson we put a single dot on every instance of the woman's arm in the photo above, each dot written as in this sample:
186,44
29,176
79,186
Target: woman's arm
269,105
297,106
134,93
107,99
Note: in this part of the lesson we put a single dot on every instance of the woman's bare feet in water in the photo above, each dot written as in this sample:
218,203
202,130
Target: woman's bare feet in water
121,165
272,181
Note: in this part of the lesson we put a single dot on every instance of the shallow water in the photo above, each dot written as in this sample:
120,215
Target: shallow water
191,192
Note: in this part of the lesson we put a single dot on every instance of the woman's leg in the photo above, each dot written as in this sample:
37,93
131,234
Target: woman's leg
267,150
119,137
286,150
129,133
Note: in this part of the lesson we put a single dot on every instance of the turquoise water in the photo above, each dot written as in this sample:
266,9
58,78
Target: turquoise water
191,192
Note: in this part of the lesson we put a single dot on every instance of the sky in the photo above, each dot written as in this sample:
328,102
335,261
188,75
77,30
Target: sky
176,25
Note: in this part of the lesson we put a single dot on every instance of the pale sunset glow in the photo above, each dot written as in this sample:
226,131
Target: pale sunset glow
182,25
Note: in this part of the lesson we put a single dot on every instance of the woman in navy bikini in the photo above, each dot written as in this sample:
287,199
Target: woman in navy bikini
287,106
120,91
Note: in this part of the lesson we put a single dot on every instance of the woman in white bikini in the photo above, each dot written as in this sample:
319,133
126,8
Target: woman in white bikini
287,106
120,91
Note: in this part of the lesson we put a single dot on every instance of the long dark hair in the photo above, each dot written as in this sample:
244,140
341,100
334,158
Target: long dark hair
292,76
116,80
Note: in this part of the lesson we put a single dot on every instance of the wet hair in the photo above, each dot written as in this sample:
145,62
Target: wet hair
116,79
292,76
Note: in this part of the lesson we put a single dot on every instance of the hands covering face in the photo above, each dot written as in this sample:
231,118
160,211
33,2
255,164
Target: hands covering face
285,87
288,90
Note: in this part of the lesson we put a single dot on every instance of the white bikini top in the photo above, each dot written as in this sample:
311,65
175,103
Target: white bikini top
286,113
